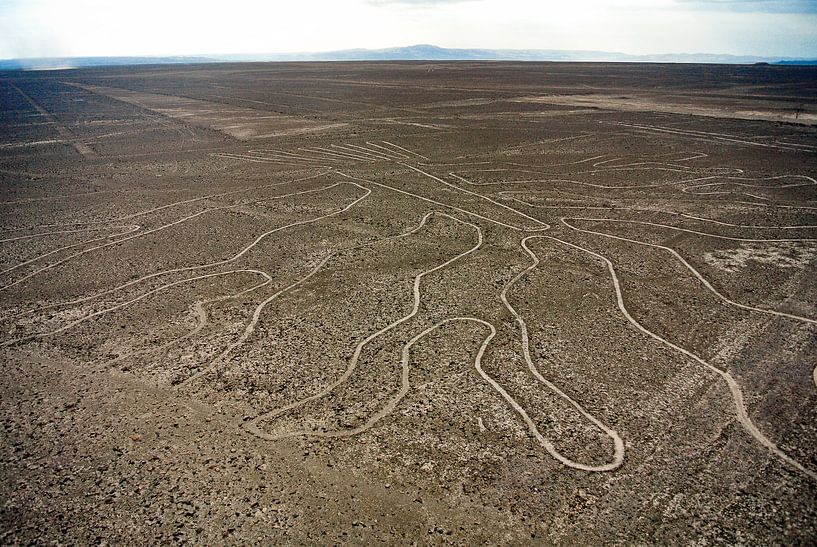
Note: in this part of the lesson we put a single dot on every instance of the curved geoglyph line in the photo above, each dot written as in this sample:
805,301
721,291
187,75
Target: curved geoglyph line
130,228
697,232
181,202
509,194
121,305
235,257
729,180
388,408
391,404
130,237
736,393
618,444
352,363
66,247
689,266
542,225
201,318
405,386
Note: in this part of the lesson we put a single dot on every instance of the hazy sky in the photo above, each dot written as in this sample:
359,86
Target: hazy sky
32,28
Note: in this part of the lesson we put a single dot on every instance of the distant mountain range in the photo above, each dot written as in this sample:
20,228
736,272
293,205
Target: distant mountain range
421,52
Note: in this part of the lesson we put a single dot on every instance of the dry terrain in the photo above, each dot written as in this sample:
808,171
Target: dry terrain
409,302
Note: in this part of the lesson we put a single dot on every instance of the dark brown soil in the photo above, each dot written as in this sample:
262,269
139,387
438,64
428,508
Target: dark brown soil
409,302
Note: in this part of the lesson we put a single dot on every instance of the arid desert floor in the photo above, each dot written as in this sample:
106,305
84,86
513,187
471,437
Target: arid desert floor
409,302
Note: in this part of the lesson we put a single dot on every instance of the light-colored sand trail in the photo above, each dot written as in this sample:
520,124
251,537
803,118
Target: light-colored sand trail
435,202
129,227
65,248
291,155
696,273
340,154
235,257
352,363
254,159
201,318
578,182
721,137
66,134
177,203
696,232
510,195
405,386
618,444
398,155
163,227
542,225
808,181
377,156
121,305
405,150
736,393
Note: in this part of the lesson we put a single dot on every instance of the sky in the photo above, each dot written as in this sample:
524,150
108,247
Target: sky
70,28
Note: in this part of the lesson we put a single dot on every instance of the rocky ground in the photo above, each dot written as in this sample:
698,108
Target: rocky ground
411,302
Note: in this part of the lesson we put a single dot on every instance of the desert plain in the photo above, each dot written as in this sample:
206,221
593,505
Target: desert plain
433,303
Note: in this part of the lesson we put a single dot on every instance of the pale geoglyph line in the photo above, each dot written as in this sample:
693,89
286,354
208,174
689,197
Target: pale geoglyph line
86,251
256,159
352,363
780,206
132,228
121,305
66,134
510,194
259,309
367,153
335,154
154,230
696,232
543,226
394,153
704,134
235,257
689,266
405,385
182,202
397,154
219,195
65,248
755,196
734,388
391,156
282,153
618,444
435,202
405,150
799,145
201,316
729,179
296,157
341,154
577,182
425,164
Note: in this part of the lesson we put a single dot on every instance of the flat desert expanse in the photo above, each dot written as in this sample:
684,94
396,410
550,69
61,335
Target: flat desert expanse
409,302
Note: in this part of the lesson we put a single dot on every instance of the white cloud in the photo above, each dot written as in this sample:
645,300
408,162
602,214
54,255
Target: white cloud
163,27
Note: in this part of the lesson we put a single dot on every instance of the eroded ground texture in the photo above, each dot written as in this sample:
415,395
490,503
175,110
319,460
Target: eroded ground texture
466,303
